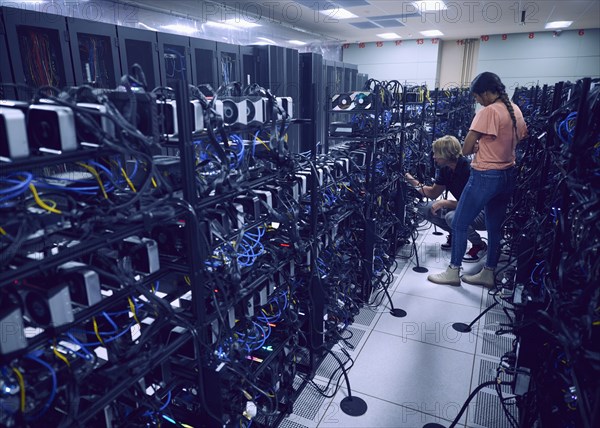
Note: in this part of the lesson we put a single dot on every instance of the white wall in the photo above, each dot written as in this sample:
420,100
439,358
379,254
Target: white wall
545,59
411,62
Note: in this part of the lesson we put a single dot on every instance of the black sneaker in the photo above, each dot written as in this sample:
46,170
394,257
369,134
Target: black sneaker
475,253
448,244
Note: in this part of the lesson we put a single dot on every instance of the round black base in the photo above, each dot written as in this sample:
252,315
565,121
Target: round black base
398,313
461,327
432,425
420,269
437,232
353,406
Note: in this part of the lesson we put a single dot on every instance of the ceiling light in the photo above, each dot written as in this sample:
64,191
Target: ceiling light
220,25
389,36
432,33
241,23
430,5
338,13
147,27
296,42
558,24
179,28
261,43
264,39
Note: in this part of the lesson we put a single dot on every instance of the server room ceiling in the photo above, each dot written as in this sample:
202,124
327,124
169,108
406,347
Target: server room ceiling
317,22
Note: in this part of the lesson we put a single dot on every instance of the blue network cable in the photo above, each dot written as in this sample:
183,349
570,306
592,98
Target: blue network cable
18,187
34,357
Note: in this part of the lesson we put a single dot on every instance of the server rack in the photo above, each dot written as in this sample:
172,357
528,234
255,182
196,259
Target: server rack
339,77
139,47
228,63
6,77
174,58
248,63
311,75
361,79
271,68
40,55
204,62
291,89
95,53
350,77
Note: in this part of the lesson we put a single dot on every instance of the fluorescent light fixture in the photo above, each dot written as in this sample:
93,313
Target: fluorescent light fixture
389,36
221,25
180,28
147,27
430,5
338,13
297,42
264,39
241,23
261,43
558,24
432,33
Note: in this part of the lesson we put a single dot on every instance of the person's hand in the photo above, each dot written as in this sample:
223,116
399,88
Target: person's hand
476,147
408,176
438,205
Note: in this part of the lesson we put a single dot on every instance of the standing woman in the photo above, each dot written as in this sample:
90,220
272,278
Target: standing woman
493,136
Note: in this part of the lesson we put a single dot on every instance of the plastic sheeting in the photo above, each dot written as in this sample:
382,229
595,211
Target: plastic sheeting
195,18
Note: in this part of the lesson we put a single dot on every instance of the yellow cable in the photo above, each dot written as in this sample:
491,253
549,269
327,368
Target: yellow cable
42,203
60,356
2,231
97,331
22,388
187,280
153,182
264,144
132,307
52,203
131,186
93,171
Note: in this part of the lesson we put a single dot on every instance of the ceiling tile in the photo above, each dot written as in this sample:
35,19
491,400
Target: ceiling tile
351,3
365,25
388,23
316,4
400,16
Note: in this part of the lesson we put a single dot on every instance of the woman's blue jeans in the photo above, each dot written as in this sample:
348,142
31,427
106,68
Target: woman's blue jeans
489,190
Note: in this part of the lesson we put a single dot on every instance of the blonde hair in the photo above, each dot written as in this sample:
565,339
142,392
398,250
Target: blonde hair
447,147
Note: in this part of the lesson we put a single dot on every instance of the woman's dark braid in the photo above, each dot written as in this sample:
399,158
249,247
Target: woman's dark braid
504,98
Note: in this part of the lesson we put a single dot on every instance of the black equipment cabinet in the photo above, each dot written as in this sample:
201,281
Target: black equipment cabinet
350,76
228,63
95,53
361,79
311,75
139,46
174,58
291,88
6,77
271,68
39,52
204,62
249,65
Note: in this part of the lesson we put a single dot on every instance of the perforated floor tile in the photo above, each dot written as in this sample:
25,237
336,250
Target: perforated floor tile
487,411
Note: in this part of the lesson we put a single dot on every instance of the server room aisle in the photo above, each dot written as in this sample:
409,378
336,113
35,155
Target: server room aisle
415,370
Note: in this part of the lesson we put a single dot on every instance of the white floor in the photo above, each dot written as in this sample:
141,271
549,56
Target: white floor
415,370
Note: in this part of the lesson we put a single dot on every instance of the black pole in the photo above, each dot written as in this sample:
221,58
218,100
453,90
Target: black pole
417,268
466,328
350,405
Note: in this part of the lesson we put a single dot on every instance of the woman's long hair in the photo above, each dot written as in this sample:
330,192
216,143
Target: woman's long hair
488,81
